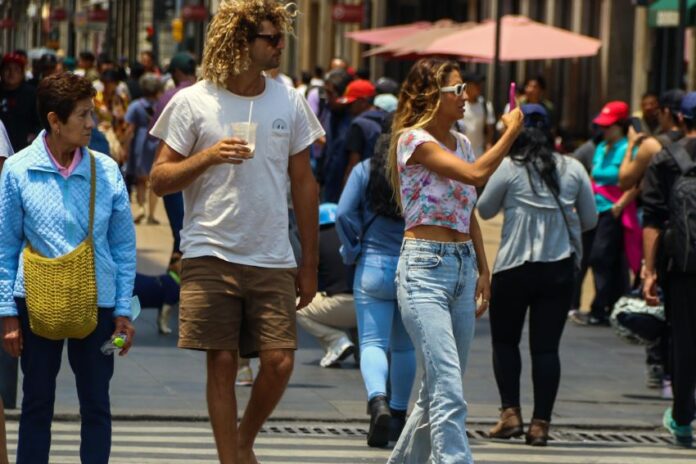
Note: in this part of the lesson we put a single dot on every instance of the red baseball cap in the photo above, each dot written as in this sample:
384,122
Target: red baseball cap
13,58
357,89
611,113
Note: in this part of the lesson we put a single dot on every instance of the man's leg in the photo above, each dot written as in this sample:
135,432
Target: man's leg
274,374
222,403
327,317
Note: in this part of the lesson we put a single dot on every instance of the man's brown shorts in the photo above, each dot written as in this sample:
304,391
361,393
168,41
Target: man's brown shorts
228,306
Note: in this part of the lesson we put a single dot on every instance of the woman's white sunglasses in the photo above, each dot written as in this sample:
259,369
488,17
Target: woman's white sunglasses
458,89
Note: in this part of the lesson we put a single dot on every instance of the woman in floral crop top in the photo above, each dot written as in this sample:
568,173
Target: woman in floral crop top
442,268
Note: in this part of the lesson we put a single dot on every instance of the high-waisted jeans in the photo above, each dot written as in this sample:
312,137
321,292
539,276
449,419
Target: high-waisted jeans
436,292
380,329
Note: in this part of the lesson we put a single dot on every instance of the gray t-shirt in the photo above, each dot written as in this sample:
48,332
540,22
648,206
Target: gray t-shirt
5,145
533,227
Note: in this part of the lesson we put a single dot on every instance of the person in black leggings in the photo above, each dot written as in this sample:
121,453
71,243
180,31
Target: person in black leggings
547,200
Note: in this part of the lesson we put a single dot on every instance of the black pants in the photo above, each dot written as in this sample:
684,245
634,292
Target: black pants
608,262
547,290
682,289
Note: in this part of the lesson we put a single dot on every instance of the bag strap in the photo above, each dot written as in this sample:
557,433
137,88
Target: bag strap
681,157
92,191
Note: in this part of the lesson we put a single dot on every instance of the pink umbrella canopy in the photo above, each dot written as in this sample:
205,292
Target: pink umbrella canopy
520,39
383,35
418,41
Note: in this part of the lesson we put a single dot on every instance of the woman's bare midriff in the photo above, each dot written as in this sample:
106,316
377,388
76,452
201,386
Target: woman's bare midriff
436,234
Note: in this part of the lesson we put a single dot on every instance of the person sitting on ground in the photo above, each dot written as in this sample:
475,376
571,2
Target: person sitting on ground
332,311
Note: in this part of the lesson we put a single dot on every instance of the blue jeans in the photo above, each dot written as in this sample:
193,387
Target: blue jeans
40,361
380,329
436,289
174,206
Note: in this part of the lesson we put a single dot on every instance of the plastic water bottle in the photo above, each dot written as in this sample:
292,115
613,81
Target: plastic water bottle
114,344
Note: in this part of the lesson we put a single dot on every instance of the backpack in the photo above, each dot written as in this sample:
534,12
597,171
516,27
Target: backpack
680,236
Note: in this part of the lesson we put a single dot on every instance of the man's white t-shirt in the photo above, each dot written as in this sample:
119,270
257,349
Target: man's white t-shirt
239,213
474,122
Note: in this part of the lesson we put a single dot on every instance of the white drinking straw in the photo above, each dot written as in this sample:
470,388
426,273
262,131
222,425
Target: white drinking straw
251,107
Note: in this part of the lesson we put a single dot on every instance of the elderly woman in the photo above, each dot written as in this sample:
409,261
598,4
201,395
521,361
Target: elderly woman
45,195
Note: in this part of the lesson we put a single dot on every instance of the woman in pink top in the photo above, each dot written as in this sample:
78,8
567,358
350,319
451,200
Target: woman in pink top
442,269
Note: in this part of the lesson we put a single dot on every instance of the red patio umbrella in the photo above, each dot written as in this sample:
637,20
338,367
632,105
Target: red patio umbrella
383,35
520,39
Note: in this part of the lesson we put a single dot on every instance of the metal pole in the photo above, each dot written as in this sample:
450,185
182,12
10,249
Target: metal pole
496,57
71,28
679,65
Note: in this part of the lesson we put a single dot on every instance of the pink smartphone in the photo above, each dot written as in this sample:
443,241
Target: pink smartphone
513,101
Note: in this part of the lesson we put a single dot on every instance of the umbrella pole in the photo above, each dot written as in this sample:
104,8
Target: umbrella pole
496,56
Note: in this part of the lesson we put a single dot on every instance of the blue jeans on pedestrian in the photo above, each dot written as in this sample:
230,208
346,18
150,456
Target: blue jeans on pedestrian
174,206
40,361
380,329
436,290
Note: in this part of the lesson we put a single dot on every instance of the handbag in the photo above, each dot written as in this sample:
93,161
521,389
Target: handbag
61,293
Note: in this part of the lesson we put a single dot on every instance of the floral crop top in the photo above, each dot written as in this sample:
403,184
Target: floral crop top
427,197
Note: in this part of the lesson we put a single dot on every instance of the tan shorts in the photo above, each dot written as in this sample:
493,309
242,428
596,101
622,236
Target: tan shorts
228,306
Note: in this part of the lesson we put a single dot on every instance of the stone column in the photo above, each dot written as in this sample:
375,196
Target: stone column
641,56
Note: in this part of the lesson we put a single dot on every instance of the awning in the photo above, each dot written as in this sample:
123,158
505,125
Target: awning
383,35
665,13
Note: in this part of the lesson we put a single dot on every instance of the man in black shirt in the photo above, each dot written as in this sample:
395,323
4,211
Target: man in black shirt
332,311
17,102
668,219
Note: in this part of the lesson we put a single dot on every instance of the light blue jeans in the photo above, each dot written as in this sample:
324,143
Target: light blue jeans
436,285
380,329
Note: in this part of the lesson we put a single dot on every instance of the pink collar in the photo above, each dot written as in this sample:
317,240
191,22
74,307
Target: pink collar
65,172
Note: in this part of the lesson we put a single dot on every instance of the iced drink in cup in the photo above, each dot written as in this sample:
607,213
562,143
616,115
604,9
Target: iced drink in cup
246,131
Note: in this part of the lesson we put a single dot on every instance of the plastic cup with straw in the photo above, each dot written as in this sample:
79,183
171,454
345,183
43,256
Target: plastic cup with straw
247,131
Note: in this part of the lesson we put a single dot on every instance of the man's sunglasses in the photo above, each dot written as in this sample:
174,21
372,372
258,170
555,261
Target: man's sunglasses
273,39
458,89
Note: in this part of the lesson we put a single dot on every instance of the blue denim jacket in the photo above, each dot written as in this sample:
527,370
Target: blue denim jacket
359,229
39,205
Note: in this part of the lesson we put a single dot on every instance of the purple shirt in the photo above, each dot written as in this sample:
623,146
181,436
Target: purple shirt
166,96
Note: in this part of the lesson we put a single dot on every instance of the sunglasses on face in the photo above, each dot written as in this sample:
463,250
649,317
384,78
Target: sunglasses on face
458,89
273,39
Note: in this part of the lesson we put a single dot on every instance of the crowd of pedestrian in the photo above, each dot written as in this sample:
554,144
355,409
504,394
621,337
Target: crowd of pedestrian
348,206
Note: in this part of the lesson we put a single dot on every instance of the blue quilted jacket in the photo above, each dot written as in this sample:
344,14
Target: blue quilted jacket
39,205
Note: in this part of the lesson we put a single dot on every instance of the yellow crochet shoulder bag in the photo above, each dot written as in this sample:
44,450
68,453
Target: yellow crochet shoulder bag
61,292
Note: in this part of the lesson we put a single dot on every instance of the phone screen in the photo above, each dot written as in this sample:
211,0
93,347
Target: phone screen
512,101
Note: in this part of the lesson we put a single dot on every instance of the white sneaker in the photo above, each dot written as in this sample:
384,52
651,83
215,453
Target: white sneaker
163,320
245,376
337,352
667,389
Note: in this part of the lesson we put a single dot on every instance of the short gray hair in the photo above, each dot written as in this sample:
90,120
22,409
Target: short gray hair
150,85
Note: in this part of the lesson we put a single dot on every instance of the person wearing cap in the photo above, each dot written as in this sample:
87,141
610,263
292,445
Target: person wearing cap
332,311
635,162
478,123
616,240
17,102
548,202
366,125
678,282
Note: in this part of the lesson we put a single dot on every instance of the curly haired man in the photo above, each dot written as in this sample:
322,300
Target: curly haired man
240,280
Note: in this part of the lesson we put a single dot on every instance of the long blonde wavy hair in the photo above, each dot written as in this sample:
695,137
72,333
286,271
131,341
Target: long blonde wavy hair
419,101
226,51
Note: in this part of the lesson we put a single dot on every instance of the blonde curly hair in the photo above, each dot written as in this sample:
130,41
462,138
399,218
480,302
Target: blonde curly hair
226,51
419,101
